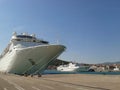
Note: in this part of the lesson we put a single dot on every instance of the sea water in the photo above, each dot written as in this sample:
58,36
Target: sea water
59,72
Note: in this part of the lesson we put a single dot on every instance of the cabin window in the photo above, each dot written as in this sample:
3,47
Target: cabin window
24,36
18,39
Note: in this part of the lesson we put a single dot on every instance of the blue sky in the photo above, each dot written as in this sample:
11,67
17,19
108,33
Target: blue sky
90,29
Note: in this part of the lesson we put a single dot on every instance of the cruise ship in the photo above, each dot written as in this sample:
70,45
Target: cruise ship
26,54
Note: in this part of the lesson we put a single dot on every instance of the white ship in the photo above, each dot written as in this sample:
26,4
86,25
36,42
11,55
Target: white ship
25,54
68,68
116,69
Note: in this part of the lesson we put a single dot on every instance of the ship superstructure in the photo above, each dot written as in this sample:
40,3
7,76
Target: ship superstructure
26,54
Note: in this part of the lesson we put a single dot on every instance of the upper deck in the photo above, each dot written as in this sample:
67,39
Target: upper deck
28,38
22,41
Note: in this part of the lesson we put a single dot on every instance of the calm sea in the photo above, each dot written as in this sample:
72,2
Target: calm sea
58,72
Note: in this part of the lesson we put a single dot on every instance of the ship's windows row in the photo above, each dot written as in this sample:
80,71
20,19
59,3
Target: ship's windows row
24,36
44,42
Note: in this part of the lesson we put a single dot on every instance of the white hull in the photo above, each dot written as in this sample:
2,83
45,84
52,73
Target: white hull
29,60
68,68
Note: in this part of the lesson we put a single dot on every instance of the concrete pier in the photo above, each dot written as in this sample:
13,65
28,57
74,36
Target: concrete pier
60,82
